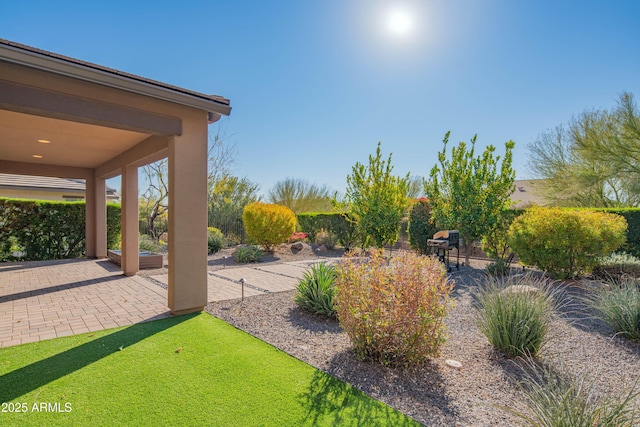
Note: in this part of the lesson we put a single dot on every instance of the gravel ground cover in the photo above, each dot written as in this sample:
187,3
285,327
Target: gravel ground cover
437,394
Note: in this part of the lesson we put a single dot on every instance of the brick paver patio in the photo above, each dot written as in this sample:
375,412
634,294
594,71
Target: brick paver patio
49,299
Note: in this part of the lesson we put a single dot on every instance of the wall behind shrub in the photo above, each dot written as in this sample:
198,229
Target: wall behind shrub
42,230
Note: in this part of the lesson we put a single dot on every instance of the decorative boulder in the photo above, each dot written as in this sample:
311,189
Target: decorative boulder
297,246
322,249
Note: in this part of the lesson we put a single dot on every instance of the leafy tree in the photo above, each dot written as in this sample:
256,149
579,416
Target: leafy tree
300,196
228,199
470,193
377,199
421,227
594,161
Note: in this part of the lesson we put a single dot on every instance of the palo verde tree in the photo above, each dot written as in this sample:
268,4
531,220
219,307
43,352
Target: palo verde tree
300,195
594,161
470,193
377,200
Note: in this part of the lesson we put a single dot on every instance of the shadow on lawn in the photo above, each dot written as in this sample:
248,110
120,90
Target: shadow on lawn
333,402
26,379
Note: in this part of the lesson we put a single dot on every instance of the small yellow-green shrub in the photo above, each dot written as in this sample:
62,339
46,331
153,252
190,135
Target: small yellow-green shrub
215,239
393,310
267,224
565,243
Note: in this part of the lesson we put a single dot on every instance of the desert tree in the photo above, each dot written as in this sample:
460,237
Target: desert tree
594,161
468,192
377,199
300,195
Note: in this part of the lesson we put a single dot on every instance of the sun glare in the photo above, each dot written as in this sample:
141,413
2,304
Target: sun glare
399,22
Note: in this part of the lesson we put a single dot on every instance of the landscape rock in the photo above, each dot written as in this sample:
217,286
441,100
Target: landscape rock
322,249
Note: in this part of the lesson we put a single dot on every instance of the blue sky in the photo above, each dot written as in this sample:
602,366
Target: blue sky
314,85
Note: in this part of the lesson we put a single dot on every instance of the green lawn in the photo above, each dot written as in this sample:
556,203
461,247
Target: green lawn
138,376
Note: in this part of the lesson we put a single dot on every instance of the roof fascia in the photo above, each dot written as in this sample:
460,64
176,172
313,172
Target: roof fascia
78,71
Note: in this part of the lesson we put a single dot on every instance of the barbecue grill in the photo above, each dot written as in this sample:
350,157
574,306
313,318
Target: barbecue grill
442,243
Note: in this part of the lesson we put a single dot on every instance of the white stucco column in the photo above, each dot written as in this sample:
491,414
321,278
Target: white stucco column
130,262
188,215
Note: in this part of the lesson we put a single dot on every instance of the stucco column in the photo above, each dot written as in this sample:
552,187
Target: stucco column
188,216
101,217
130,262
90,217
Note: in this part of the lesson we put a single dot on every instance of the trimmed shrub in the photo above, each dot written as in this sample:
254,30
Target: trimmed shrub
267,224
215,240
337,223
616,266
565,243
632,215
421,227
619,307
247,254
496,242
393,310
42,229
315,291
555,399
515,313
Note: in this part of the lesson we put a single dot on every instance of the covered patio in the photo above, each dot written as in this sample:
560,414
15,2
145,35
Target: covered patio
62,117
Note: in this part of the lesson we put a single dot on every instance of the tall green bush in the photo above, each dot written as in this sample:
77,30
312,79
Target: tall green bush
377,200
495,242
565,243
632,215
42,230
421,227
337,223
267,224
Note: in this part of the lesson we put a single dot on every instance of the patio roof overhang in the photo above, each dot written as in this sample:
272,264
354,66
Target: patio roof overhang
67,118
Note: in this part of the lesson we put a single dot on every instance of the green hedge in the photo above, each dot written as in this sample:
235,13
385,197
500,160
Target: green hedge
335,222
632,215
43,230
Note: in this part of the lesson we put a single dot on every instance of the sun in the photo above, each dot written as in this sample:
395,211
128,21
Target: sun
399,22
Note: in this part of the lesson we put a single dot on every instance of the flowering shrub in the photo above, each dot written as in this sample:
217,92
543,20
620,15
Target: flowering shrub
298,236
393,310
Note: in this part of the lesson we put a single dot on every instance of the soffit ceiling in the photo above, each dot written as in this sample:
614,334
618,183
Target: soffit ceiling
71,143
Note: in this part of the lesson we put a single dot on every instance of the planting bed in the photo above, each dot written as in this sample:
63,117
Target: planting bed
441,393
